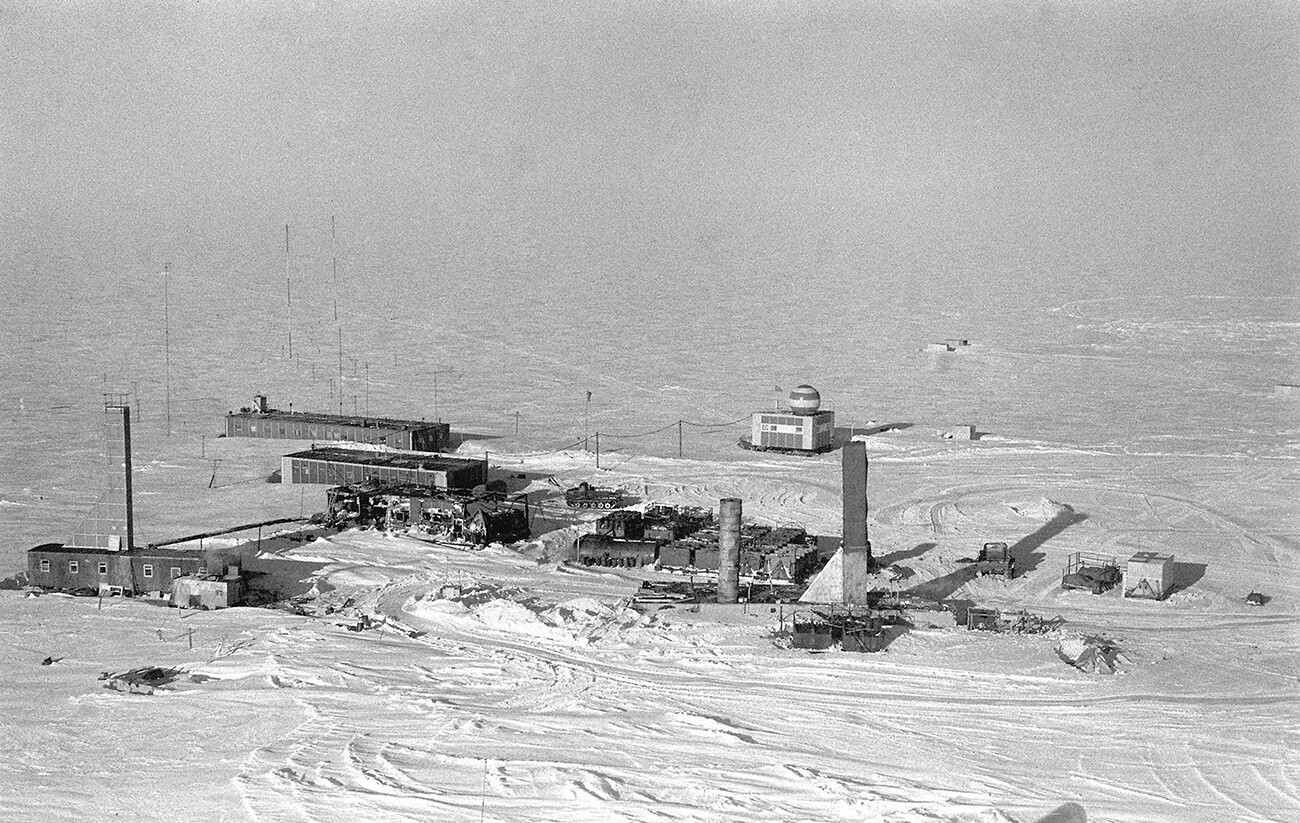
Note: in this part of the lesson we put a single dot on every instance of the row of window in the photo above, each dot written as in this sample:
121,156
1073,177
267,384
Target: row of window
315,433
74,567
772,427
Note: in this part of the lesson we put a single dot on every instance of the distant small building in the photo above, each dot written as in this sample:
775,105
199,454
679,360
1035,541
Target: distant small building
963,432
335,466
937,347
410,435
1149,574
1286,391
805,426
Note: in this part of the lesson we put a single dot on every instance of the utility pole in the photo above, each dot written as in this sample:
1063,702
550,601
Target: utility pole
516,424
340,370
598,449
336,270
135,392
288,288
679,438
167,344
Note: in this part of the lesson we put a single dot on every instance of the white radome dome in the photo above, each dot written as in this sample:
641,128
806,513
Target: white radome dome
805,400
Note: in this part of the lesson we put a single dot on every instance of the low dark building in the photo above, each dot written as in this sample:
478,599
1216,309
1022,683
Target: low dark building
408,435
58,567
336,466
779,554
631,538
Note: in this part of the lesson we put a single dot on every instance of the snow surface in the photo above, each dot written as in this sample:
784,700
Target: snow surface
500,682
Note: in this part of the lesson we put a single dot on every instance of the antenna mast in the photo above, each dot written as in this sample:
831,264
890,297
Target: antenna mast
288,288
335,252
167,348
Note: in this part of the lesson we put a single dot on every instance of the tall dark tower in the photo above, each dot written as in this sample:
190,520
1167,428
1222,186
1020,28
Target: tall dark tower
111,523
856,547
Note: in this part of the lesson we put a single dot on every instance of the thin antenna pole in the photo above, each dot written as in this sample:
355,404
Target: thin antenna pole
167,344
340,370
679,438
367,389
335,252
288,288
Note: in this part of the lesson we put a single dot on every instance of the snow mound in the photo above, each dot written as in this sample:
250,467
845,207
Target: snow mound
509,611
1043,509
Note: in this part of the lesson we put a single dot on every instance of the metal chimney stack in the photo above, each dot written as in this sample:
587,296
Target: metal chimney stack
729,549
856,547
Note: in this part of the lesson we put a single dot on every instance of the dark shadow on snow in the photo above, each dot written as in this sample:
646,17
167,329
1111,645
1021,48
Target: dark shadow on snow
844,434
941,587
1184,575
904,554
1025,551
457,439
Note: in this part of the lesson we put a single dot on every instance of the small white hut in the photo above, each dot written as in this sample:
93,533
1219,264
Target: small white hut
1148,574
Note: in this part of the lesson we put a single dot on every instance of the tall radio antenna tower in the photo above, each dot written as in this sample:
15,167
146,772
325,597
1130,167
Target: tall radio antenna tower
334,251
167,346
288,288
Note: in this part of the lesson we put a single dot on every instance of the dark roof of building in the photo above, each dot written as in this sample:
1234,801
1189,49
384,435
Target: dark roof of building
388,423
394,460
138,551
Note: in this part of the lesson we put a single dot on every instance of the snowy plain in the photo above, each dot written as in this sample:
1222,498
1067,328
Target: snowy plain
532,693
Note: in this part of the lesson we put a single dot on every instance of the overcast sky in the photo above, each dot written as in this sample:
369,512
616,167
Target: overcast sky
1090,137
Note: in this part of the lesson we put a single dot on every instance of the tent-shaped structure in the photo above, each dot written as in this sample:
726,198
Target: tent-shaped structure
1094,655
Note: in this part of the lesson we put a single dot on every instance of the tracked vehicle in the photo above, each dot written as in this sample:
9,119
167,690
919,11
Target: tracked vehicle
586,496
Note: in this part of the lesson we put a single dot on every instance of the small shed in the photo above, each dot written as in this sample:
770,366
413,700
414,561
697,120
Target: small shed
962,432
1149,574
194,592
937,347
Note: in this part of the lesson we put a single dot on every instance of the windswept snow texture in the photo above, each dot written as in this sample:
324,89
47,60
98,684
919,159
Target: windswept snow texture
503,684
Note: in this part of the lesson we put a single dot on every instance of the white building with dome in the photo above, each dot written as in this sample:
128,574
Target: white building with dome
802,427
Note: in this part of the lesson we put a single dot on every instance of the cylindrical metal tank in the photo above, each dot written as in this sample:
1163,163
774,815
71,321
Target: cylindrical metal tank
728,549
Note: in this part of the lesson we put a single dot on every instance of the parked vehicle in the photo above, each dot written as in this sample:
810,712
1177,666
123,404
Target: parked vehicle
586,496
1093,572
996,559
